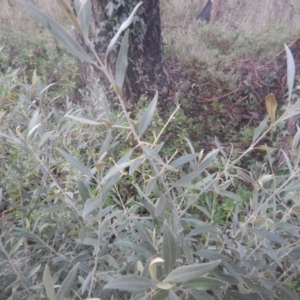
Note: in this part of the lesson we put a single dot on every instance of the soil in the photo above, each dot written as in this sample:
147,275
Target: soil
233,109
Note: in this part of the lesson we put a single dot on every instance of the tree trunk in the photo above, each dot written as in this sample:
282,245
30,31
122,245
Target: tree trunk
146,71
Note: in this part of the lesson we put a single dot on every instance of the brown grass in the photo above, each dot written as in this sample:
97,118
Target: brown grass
251,16
15,17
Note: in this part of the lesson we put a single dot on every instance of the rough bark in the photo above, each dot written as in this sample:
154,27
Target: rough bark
146,72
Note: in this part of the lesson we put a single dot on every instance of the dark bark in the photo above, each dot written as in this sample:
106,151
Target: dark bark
146,72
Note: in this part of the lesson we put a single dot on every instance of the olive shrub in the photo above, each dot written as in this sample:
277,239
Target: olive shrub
73,231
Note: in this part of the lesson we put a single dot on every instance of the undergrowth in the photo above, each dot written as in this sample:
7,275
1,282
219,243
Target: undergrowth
94,206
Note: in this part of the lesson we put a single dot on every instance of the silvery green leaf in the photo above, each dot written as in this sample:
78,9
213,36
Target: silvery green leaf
188,253
83,190
190,145
271,253
45,137
108,184
122,61
33,271
160,205
15,296
169,247
233,272
292,186
90,205
67,284
141,296
144,232
154,156
173,296
262,126
151,185
244,175
59,33
290,71
211,255
147,203
287,292
187,273
33,122
208,159
174,223
289,114
183,160
148,115
270,236
118,168
54,208
138,248
203,284
230,195
86,282
204,228
82,120
239,296
135,164
76,163
161,295
158,147
106,143
296,138
48,283
218,144
287,160
123,27
132,283
231,280
188,178
83,11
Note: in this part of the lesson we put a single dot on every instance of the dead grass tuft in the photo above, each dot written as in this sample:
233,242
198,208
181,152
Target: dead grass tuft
251,16
15,17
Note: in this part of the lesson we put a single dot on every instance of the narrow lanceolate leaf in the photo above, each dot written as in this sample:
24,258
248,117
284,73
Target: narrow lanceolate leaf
144,232
90,205
203,284
184,160
132,283
82,120
68,11
262,126
76,163
49,284
290,71
59,33
187,273
208,159
123,27
169,249
160,205
271,105
122,61
67,284
148,115
270,236
83,11
83,190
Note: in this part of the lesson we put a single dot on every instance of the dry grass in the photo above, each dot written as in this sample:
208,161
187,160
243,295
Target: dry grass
15,17
251,16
